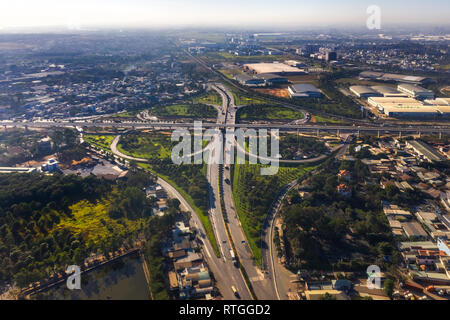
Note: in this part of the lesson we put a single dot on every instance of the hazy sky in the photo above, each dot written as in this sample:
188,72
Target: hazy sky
273,13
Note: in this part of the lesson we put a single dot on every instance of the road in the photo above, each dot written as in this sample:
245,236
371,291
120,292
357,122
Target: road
261,284
140,125
235,276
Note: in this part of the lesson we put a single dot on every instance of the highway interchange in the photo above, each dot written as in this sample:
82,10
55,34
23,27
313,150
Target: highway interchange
226,272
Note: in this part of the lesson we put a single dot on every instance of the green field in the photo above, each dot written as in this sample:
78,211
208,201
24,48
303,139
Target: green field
185,111
211,97
320,119
154,145
101,141
253,194
268,112
241,99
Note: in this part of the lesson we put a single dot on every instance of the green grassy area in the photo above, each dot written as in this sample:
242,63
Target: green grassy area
92,222
253,194
185,110
101,141
320,119
154,145
211,97
268,112
241,99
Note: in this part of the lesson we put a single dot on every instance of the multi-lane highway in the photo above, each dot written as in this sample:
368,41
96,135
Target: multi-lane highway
141,125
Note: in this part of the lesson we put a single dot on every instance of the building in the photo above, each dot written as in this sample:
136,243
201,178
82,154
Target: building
413,229
304,91
444,246
331,56
17,170
344,190
388,92
364,92
415,91
390,77
272,79
273,68
250,81
50,166
424,150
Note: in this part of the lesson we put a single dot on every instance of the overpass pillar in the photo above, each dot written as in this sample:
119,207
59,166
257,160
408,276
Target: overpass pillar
359,133
420,134
440,134
318,132
400,134
338,133
378,134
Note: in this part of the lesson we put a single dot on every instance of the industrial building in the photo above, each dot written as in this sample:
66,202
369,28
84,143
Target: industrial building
304,91
272,79
399,101
390,77
250,81
387,91
424,150
408,107
331,56
364,92
415,91
273,68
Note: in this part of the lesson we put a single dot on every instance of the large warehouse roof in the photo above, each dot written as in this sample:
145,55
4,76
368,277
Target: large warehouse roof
387,91
272,68
362,90
304,87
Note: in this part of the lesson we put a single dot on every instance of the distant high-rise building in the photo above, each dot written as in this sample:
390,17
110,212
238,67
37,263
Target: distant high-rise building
331,56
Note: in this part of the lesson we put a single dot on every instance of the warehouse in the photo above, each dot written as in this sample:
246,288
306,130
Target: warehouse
415,91
247,80
400,101
272,79
391,77
273,68
364,92
408,111
389,92
304,91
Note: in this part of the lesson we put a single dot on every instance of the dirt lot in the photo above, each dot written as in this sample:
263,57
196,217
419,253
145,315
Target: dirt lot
282,93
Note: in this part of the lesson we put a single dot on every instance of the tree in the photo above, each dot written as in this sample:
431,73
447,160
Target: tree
389,287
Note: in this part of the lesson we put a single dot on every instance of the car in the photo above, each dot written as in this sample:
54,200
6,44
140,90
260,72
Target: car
227,181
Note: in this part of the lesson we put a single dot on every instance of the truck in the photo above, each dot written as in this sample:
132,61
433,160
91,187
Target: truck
235,292
233,258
